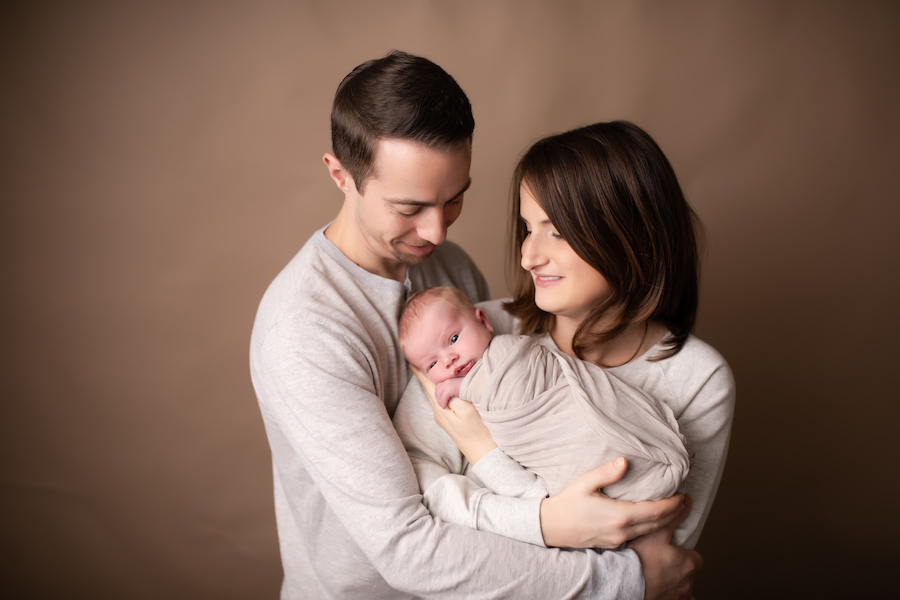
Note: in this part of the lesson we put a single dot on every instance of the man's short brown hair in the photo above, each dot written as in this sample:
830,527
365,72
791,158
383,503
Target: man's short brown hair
400,96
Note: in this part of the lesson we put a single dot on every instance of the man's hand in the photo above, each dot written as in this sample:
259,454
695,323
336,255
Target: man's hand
461,421
668,570
580,516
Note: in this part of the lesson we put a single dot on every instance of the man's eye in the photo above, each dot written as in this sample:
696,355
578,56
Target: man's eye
454,338
407,215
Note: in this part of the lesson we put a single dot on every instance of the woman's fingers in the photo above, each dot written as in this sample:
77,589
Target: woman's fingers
638,518
581,516
428,386
602,476
647,517
463,408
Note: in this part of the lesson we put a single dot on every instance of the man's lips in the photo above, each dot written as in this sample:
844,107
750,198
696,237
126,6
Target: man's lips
423,250
461,372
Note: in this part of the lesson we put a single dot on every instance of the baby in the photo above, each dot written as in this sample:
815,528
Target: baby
555,415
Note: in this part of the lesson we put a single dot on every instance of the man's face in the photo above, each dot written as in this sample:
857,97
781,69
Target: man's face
446,342
413,196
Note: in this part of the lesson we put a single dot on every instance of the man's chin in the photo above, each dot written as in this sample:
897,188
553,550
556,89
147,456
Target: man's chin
409,258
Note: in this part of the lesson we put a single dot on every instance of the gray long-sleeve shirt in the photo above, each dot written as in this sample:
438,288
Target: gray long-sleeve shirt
328,373
560,417
500,496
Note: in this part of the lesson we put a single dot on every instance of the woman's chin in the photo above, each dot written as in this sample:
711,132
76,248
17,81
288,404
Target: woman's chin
547,307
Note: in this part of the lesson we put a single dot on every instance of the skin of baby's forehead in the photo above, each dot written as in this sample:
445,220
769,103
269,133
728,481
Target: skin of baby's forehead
426,314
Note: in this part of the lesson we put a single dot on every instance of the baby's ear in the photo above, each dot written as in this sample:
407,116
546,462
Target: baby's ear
483,319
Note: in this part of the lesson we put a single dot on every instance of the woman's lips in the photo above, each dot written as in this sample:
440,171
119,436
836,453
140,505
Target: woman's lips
545,280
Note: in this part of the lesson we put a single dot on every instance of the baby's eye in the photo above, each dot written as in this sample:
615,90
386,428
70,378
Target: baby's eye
453,338
431,365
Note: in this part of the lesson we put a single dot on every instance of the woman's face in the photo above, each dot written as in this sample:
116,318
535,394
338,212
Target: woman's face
565,285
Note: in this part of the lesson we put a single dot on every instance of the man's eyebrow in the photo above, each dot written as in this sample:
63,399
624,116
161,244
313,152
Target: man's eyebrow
411,202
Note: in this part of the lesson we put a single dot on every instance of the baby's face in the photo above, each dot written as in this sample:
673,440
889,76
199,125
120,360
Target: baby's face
445,342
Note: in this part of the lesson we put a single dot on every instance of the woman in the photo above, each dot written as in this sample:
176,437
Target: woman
609,274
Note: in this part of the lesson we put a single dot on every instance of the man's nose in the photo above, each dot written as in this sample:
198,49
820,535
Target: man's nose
433,228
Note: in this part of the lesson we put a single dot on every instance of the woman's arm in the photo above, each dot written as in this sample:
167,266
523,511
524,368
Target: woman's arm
578,517
706,422
442,470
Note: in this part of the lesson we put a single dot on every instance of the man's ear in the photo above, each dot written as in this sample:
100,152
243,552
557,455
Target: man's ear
339,174
483,318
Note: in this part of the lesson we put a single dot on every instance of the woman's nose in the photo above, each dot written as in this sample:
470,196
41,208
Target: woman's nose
531,256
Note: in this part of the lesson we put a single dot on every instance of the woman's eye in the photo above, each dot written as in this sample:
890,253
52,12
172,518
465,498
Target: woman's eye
556,236
453,338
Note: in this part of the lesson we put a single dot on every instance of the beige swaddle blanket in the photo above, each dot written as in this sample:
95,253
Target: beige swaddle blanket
560,417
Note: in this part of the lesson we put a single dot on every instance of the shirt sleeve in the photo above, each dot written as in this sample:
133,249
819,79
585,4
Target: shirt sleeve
318,387
706,422
450,487
503,475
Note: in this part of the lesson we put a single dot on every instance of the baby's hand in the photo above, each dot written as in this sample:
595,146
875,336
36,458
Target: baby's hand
446,390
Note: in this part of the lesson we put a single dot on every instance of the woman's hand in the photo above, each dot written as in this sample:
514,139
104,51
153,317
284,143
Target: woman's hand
461,421
580,516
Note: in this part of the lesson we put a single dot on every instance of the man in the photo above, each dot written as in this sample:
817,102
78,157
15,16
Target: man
328,372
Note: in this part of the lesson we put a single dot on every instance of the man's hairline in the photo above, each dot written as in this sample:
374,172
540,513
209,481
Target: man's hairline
445,148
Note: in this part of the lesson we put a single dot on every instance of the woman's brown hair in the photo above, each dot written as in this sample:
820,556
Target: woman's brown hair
612,195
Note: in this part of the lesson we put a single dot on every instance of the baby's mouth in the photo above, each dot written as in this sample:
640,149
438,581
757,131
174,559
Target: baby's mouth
460,372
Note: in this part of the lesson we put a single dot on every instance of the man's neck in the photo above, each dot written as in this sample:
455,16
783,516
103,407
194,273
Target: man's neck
347,239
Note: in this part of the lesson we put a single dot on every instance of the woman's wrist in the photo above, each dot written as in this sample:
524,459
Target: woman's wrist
476,449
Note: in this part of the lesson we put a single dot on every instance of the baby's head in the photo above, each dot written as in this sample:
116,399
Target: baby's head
442,333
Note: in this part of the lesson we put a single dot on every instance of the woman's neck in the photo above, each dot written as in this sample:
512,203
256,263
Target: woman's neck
637,339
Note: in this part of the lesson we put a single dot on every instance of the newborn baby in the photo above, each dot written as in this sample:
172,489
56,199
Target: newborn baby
555,415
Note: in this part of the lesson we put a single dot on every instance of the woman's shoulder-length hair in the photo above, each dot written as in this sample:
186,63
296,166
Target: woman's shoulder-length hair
611,193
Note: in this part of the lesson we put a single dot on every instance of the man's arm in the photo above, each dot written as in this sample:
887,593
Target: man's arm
326,405
438,461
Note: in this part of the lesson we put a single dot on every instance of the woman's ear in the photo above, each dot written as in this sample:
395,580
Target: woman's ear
339,174
483,319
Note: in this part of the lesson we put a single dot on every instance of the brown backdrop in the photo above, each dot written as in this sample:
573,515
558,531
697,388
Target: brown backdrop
161,161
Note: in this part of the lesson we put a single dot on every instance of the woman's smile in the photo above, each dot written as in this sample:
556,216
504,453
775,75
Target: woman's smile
545,280
565,284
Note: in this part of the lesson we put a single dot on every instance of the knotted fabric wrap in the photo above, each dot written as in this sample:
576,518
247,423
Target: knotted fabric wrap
560,417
